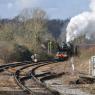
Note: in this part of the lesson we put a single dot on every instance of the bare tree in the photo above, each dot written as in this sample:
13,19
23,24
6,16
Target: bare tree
33,28
39,28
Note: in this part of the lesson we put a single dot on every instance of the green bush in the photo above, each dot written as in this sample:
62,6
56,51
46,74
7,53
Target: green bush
20,53
10,52
45,56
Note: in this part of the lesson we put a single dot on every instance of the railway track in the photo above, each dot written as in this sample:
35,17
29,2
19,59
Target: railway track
37,87
12,65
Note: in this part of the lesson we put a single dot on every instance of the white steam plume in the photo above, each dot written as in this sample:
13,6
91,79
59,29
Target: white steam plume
81,24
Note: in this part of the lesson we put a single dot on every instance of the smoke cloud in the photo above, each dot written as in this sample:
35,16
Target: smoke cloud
81,24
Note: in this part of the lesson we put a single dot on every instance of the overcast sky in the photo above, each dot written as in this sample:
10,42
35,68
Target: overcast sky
55,8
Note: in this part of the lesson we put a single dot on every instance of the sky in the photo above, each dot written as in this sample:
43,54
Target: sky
61,9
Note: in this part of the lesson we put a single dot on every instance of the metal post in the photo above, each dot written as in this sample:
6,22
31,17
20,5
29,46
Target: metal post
90,67
49,47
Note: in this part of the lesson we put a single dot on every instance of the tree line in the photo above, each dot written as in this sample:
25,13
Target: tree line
31,29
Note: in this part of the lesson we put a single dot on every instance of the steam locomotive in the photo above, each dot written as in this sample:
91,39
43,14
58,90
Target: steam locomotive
65,51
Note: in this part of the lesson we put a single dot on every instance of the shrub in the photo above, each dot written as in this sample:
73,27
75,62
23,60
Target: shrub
20,53
45,56
10,52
